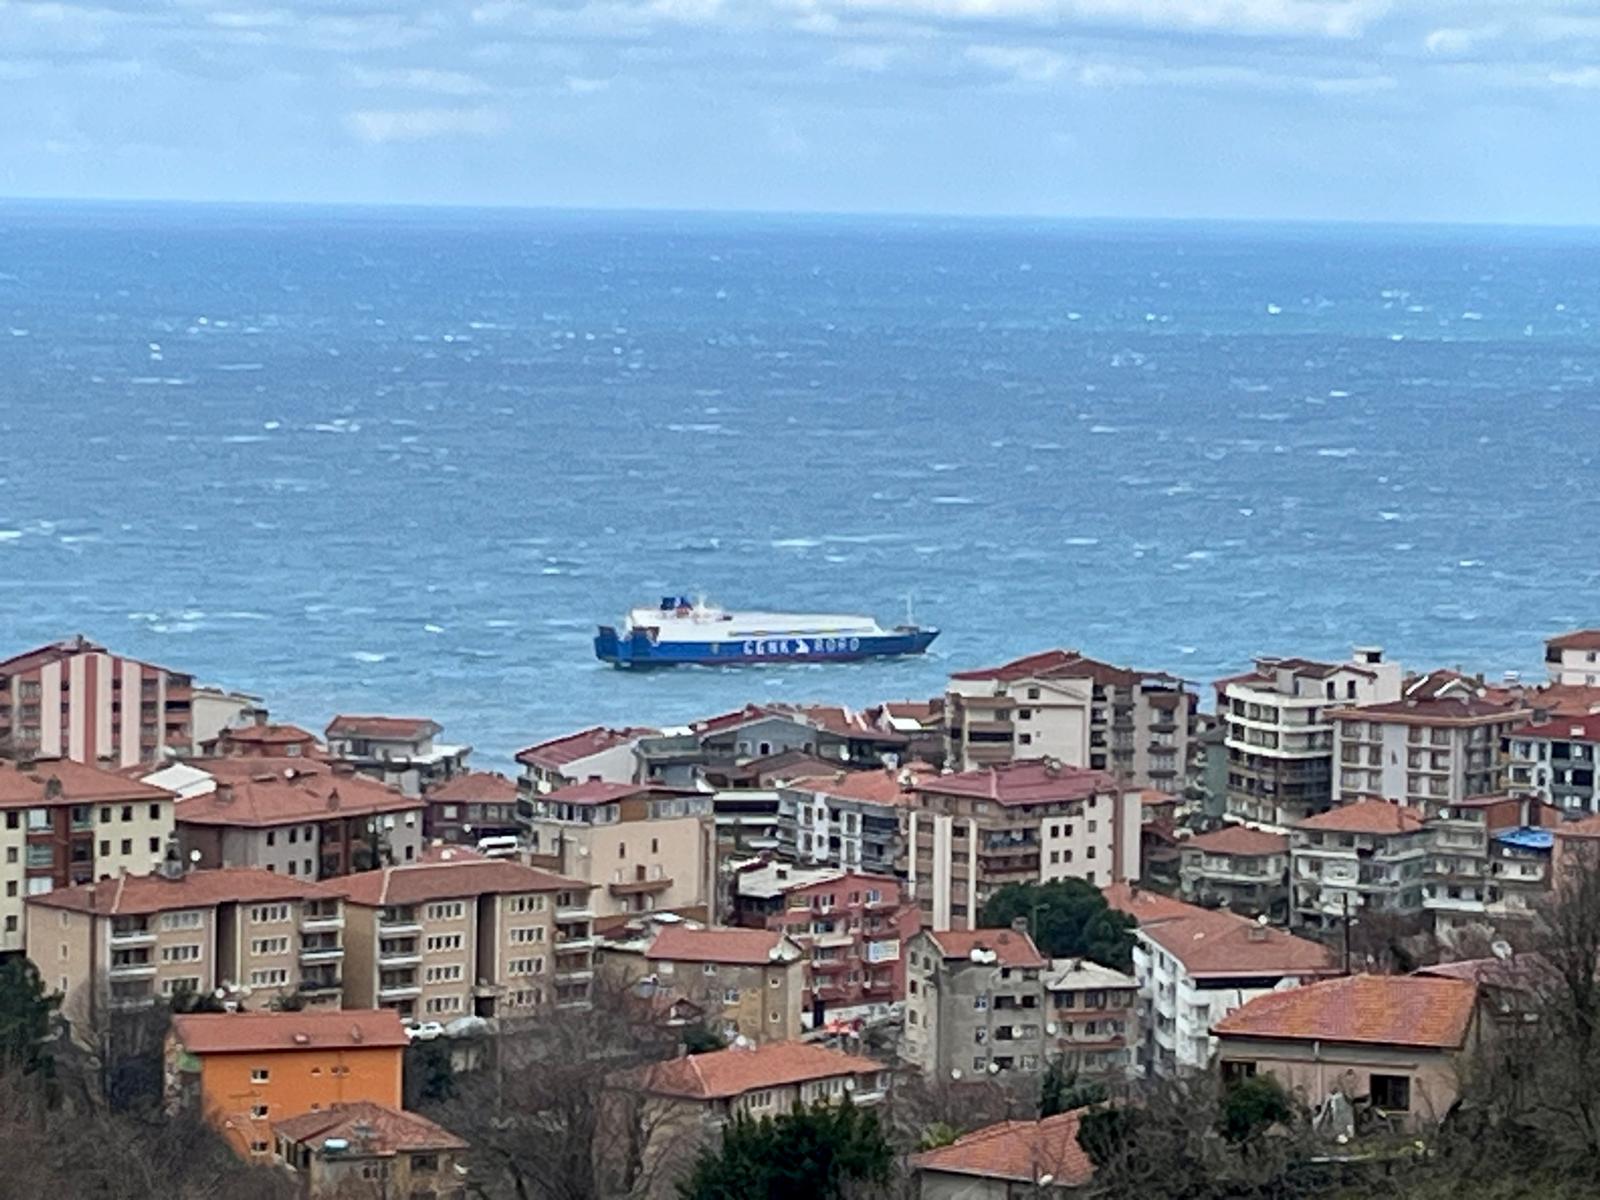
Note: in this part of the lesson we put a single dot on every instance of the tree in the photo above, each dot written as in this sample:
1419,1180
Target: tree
27,1018
1069,918
429,1076
1252,1105
1061,1090
702,1039
819,1152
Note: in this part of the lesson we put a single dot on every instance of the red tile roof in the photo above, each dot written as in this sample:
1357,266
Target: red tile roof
1580,699
743,716
268,735
1382,1010
54,781
596,791
1240,841
1011,947
1366,816
735,947
1585,728
1223,945
722,1074
305,791
373,1130
64,649
131,895
1027,781
449,879
1146,906
1578,639
1019,1151
558,752
475,787
878,787
1063,664
234,1033
401,729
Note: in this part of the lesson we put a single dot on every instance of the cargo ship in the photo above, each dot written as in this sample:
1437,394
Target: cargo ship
679,631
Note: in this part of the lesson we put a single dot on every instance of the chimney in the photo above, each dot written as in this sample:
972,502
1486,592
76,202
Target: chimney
224,793
1257,933
333,800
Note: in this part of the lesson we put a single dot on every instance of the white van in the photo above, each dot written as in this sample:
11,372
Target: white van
501,846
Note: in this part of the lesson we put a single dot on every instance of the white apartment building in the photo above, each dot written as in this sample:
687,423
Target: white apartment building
1370,855
1574,658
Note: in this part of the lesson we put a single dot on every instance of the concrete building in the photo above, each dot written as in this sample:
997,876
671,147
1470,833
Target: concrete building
1093,1026
919,721
748,982
713,752
1238,868
1556,758
215,712
1014,1159
1460,888
1370,856
367,1151
975,1003
462,935
850,819
472,806
126,942
642,848
1574,658
1134,725
296,817
595,755
263,740
63,822
1394,1041
403,752
1279,735
1030,821
1437,744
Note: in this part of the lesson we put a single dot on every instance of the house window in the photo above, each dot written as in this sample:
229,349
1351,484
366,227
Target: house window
258,1112
1234,1070
1392,1092
260,1075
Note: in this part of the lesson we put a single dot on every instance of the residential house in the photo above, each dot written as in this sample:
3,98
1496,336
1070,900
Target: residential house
595,755
1060,704
1571,658
921,722
1555,757
1279,734
749,982
367,1151
403,752
463,935
1520,864
1093,1011
1030,821
1460,886
1012,1160
765,1080
1392,1041
1236,867
975,1002
470,807
850,819
243,1072
711,752
63,822
262,741
256,937
1369,856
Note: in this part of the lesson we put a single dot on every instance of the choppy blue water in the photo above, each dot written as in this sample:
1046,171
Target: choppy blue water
401,461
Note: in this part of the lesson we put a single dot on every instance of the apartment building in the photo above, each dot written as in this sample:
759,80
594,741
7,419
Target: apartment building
850,819
975,1003
1060,704
242,1072
1571,658
1556,758
921,722
462,935
594,755
402,752
1029,821
295,816
123,943
1279,735
851,926
1460,887
1370,855
748,982
1437,744
715,751
1238,868
64,822
263,740
346,1151
470,807
641,847
1093,1026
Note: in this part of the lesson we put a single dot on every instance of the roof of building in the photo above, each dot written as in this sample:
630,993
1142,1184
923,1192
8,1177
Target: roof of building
570,747
1220,945
767,880
889,786
725,1073
909,715
1575,728
1020,1151
250,792
1026,781
1010,947
131,895
1145,905
267,735
40,782
372,1130
233,1033
735,947
598,791
1064,664
1366,816
66,648
1578,639
1076,974
1420,1011
1563,698
1240,841
1264,675
399,729
475,787
1522,971
449,879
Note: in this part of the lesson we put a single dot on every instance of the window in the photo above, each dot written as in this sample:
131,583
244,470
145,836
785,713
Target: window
186,953
730,996
708,969
258,1112
450,973
155,812
443,1004
1392,1092
258,1147
526,904
422,1164
260,1075
173,987
181,920
155,845
105,850
268,914
127,812
527,934
525,966
272,837
269,946
980,1003
270,977
1234,1070
449,910
127,845
443,941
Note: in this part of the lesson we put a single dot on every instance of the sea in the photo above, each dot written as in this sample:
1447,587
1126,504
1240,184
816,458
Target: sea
404,461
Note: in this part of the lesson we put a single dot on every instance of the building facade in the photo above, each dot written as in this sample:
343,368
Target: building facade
1238,868
1555,759
367,1151
402,752
1370,856
470,807
1093,1026
975,1003
855,820
1574,658
595,755
748,982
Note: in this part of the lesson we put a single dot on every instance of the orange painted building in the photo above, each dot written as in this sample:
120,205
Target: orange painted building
248,1070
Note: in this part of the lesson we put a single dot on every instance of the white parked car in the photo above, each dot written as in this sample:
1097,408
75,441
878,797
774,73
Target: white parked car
425,1032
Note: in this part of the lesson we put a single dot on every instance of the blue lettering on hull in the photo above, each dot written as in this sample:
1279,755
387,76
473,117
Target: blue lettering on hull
639,651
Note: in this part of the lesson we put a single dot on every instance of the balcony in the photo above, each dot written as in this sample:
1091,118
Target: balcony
319,924
400,958
322,954
398,926
586,942
582,975
836,938
319,985
580,913
637,887
133,970
828,966
121,939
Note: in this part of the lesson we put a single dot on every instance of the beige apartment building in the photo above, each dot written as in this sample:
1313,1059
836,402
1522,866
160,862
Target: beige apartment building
1132,724
462,935
126,942
1022,822
1574,658
641,848
975,1003
749,982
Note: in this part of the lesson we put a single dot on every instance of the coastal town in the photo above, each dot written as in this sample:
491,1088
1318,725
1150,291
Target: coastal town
999,919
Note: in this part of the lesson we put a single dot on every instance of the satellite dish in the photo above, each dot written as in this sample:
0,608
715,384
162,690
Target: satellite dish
1262,921
194,856
994,1068
1046,1179
1050,1028
955,1073
1501,949
219,993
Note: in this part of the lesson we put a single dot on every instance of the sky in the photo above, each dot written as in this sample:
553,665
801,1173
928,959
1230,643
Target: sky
1372,110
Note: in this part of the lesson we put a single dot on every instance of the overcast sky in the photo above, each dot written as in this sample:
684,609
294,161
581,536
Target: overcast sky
1406,110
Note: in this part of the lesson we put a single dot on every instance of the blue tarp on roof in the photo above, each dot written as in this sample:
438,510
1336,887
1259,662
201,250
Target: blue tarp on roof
1527,838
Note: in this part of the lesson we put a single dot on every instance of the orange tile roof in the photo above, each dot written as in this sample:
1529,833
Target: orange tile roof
1223,945
1064,664
250,793
235,1033
738,947
267,735
449,879
558,752
1020,1151
597,791
1584,728
373,1130
726,1073
131,895
877,787
475,787
1366,816
409,729
1011,947
53,781
1027,781
1578,639
1383,1010
1146,906
1240,841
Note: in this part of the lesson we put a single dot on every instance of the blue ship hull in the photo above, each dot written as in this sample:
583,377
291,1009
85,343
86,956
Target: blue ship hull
639,651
